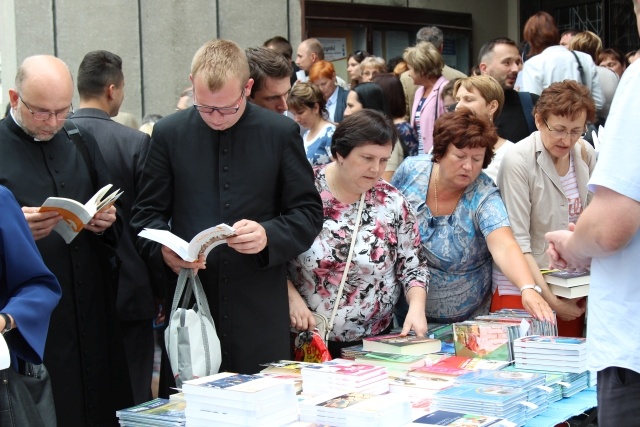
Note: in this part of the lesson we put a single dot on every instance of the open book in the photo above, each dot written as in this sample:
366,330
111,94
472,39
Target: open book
201,244
75,215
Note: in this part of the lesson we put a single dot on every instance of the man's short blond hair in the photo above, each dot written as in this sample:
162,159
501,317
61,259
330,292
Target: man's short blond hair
425,59
218,61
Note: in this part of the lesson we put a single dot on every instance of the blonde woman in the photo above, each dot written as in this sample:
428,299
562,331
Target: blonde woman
425,68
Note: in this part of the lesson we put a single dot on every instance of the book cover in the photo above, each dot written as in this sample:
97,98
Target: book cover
156,409
343,369
397,344
485,340
201,244
456,419
75,214
458,365
503,378
568,278
228,385
391,361
483,394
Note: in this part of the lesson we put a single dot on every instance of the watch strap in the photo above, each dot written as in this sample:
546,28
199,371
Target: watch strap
7,323
534,287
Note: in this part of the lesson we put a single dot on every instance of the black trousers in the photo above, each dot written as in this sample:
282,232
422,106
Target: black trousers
618,397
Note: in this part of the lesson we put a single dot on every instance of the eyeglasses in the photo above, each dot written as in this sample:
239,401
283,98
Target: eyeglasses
560,134
44,115
225,111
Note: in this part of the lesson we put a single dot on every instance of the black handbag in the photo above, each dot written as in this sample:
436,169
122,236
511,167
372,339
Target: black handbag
26,398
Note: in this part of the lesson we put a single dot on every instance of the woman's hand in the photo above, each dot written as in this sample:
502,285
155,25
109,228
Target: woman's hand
416,318
535,305
570,309
301,317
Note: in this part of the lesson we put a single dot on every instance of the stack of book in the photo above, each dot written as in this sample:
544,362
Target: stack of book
395,362
239,400
574,383
158,412
352,352
561,354
396,344
417,387
353,409
552,382
568,284
490,400
285,369
453,366
532,383
529,325
341,375
457,419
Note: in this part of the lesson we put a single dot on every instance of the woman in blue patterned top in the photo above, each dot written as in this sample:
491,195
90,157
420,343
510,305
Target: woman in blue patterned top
308,106
463,221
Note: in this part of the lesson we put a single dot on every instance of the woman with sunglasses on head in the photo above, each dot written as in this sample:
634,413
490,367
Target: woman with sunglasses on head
353,67
543,182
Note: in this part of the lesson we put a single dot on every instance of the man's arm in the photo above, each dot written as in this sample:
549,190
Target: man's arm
607,225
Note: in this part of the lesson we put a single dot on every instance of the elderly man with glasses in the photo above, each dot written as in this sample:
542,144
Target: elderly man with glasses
229,161
38,159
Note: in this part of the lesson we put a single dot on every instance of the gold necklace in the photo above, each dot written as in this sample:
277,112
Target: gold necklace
435,186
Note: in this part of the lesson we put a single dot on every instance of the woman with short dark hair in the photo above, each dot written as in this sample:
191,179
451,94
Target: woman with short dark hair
463,222
388,261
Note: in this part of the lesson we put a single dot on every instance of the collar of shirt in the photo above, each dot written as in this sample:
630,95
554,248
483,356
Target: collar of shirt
333,98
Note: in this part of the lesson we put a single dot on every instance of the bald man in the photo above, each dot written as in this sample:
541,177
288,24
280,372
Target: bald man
83,351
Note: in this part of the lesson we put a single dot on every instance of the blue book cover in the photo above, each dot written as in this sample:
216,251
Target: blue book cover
483,394
503,378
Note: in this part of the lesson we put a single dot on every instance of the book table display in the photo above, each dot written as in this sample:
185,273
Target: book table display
547,384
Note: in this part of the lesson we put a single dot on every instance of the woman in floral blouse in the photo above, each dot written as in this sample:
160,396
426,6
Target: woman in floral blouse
388,261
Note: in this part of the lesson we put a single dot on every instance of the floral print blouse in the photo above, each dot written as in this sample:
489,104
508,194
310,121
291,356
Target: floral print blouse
457,253
388,259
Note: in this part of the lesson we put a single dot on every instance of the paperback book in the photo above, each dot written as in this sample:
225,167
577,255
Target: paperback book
157,412
201,244
485,340
400,362
240,387
76,215
457,419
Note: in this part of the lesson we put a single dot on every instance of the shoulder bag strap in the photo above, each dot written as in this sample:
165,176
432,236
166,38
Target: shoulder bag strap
74,135
348,264
584,80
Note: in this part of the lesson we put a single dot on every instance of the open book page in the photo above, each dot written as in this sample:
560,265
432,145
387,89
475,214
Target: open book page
74,214
202,243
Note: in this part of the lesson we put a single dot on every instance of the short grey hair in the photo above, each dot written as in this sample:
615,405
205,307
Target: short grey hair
432,35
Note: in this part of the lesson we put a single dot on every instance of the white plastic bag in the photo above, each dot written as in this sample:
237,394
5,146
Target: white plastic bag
192,344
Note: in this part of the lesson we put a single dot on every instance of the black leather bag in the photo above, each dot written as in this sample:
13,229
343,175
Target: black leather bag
26,398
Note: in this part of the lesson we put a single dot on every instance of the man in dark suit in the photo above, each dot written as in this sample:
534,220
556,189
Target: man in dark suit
229,161
101,88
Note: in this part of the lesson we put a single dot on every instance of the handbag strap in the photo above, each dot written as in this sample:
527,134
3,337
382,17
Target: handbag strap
582,76
188,282
347,265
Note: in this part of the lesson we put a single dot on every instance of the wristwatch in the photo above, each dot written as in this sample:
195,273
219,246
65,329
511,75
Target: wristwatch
7,323
536,288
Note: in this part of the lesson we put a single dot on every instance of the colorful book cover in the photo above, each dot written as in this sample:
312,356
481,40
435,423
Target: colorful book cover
456,419
158,409
483,394
484,340
394,343
503,378
550,342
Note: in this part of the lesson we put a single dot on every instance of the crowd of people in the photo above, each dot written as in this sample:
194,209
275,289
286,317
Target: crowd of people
437,196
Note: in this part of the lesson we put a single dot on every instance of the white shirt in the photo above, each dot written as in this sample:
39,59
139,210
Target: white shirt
613,321
332,102
494,166
557,63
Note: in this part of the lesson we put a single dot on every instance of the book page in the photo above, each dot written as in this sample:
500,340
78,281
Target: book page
203,242
170,240
74,216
